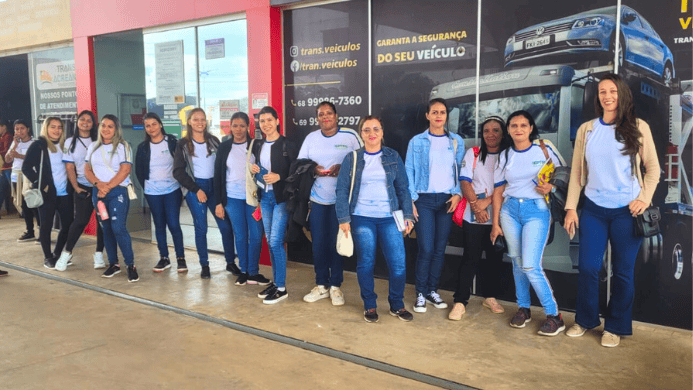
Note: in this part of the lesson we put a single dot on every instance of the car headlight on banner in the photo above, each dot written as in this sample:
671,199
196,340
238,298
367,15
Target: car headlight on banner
589,22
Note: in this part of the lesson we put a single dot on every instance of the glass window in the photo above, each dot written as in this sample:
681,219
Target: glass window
170,112
223,61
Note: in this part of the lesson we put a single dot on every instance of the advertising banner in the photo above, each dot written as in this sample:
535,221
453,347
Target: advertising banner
54,89
415,47
170,72
325,61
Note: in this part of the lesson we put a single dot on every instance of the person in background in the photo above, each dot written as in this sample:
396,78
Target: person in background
43,166
525,218
193,167
74,156
380,196
476,177
230,185
273,158
107,168
154,170
608,153
23,138
5,167
327,147
433,161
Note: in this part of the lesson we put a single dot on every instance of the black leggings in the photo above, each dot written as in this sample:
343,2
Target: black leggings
28,214
63,206
84,208
477,238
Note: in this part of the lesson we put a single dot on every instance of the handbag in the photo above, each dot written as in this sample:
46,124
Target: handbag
250,185
33,196
345,244
647,223
458,215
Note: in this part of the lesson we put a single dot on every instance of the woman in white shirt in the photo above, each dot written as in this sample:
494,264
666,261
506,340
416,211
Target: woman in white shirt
75,152
525,217
23,137
476,178
43,166
606,161
109,162
193,167
154,170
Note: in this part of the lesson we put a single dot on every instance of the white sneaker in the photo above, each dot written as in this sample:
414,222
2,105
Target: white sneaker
98,260
316,294
420,305
337,296
61,264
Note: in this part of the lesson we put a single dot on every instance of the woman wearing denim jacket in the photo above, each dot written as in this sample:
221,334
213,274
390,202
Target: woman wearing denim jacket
433,161
193,167
606,150
380,189
526,218
154,169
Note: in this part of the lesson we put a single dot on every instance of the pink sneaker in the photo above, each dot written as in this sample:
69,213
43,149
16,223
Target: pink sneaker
493,305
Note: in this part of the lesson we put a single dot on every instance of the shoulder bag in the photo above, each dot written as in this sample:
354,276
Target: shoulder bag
250,185
345,244
33,196
458,215
647,223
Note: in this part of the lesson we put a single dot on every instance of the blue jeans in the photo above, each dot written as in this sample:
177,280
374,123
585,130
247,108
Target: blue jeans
166,211
199,214
275,219
367,232
597,225
525,224
248,234
432,233
115,232
329,265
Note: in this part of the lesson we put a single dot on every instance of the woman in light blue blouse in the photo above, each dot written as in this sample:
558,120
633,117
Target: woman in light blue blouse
380,196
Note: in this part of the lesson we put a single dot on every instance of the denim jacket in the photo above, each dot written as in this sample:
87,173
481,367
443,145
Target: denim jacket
417,163
397,184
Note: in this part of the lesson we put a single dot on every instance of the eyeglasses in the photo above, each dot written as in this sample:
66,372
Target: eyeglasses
374,130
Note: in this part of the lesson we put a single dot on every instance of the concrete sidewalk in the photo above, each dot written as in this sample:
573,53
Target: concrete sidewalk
480,351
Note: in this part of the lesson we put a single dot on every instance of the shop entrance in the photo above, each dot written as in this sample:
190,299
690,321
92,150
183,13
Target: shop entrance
15,96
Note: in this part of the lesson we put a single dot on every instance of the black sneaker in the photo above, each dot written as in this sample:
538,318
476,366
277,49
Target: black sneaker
370,315
521,318
233,268
242,279
258,279
163,264
49,263
182,267
3,273
276,296
205,272
552,326
402,314
436,300
266,292
27,236
132,274
112,269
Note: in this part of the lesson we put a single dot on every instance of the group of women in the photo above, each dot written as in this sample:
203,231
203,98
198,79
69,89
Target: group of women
364,189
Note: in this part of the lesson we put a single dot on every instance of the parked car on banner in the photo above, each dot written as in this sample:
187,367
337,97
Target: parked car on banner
595,32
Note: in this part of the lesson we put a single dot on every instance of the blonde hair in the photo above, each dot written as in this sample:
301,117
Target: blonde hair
44,134
117,136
